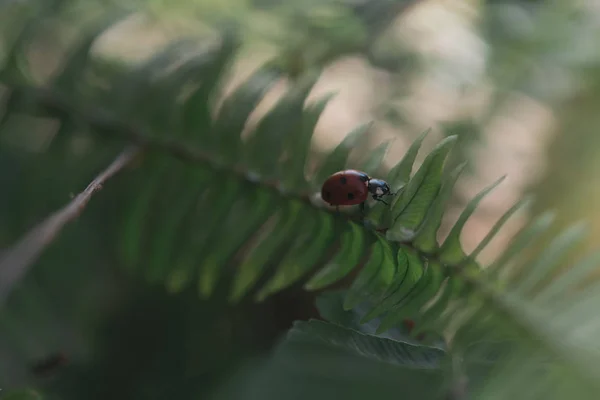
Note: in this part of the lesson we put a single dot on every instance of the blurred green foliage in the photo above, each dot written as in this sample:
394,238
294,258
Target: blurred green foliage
128,337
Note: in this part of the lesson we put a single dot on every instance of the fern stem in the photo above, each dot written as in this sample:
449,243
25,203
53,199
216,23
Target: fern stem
15,261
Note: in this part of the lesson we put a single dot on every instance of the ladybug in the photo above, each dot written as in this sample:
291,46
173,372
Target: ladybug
351,187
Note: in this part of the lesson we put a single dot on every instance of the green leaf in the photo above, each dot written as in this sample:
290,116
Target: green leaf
244,219
372,164
376,276
451,251
196,112
220,196
409,271
400,174
429,319
255,264
550,259
237,107
424,291
138,212
298,146
307,251
345,260
569,279
497,226
72,73
337,159
376,348
132,94
409,209
527,235
23,394
265,146
426,237
182,200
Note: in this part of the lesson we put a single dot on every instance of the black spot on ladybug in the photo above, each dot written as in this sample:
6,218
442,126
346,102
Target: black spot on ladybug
364,177
350,196
343,180
327,195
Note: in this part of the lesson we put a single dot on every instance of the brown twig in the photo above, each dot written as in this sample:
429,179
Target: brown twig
15,261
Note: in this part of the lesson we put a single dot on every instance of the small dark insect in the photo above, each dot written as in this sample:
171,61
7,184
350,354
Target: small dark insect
351,187
49,365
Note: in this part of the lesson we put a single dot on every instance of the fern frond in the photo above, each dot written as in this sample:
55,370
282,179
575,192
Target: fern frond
214,207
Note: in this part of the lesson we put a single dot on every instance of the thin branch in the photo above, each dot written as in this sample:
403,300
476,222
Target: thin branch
15,261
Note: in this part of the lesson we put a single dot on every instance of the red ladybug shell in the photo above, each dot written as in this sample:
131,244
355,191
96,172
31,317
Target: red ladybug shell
345,188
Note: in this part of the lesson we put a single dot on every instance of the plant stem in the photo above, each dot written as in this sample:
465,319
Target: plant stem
15,261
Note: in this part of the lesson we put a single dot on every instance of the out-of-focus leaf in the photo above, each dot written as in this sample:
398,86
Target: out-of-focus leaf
302,257
400,174
236,109
254,265
336,160
265,147
451,251
352,244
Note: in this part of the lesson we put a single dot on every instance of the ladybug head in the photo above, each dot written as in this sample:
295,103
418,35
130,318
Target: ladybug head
379,188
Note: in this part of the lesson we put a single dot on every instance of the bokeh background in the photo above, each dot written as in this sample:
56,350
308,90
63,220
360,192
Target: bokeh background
517,80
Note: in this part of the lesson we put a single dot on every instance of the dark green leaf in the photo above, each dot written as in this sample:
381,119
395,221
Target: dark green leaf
298,146
345,260
423,292
237,107
139,211
409,272
253,267
22,394
220,195
336,160
380,349
243,221
426,237
307,251
400,174
376,276
451,251
265,147
181,202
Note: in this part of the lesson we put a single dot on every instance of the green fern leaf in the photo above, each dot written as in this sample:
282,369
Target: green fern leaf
426,236
423,291
352,245
282,122
337,159
551,259
409,269
236,109
306,253
410,208
254,265
298,146
372,164
451,251
376,276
